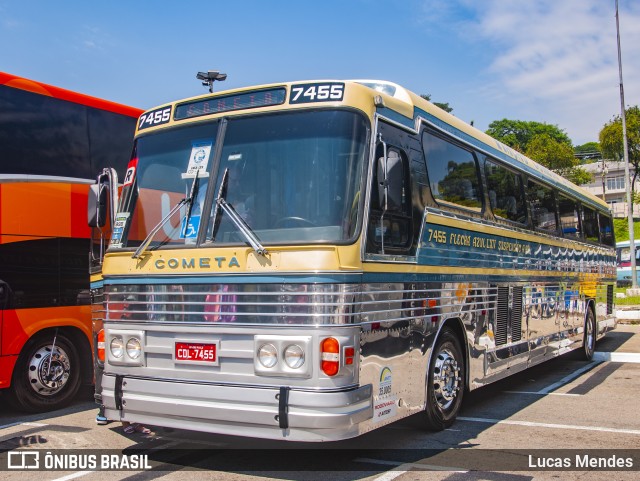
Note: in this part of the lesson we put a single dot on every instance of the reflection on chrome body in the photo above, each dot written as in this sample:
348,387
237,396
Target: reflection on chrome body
507,328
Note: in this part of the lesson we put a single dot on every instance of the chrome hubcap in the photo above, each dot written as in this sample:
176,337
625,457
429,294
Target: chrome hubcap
49,372
446,378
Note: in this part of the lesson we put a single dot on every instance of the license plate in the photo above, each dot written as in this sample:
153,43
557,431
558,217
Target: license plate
196,352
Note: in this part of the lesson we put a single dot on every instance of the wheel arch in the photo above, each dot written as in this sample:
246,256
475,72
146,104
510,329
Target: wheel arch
456,325
80,341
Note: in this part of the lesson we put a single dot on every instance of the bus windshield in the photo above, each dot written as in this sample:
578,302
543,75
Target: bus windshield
292,177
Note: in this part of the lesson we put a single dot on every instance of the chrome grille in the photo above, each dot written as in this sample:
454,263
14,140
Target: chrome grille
303,304
502,316
516,314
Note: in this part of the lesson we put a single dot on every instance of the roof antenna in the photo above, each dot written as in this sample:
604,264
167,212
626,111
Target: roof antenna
209,77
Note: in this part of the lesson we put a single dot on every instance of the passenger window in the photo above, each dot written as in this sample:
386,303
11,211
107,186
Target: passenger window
590,224
606,230
453,175
569,217
505,193
543,206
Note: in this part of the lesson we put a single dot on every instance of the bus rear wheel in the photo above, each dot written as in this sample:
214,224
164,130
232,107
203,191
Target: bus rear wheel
445,382
590,334
46,377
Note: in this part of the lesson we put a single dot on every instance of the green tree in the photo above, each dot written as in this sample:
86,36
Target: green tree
557,156
611,139
443,105
547,144
518,133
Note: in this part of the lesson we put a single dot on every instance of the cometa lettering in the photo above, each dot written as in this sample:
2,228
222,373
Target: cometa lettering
202,263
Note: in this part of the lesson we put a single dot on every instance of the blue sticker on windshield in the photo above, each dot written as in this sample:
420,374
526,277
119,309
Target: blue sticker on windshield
190,230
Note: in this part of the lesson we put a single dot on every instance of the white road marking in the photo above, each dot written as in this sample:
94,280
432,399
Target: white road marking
74,475
548,425
538,393
405,467
567,379
19,423
632,357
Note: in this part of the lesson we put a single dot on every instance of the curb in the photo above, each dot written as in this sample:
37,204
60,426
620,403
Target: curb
632,357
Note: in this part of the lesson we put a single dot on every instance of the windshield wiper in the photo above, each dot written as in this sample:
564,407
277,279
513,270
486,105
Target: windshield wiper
187,200
240,223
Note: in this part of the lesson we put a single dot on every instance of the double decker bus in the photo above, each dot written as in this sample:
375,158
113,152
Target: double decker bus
312,260
52,143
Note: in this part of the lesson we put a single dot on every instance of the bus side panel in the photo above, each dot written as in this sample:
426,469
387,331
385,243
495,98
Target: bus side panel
393,353
43,209
19,325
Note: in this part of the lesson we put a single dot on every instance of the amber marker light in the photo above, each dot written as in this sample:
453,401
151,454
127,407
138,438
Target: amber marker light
330,349
100,340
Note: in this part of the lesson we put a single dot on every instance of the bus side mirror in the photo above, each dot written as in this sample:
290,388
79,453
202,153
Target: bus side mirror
97,205
390,181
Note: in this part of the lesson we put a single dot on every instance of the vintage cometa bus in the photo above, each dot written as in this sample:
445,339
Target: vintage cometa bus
312,260
52,143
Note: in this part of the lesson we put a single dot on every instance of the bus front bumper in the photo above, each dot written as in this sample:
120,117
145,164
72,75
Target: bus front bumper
238,410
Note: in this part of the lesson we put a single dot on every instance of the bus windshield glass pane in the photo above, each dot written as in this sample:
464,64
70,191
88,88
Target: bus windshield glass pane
293,178
164,166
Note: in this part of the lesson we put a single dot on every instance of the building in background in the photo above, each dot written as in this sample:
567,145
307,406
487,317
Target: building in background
613,182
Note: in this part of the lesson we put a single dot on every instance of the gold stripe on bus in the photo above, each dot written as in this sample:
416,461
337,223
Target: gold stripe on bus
509,233
477,271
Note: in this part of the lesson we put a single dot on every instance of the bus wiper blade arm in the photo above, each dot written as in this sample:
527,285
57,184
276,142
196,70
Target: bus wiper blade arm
143,247
240,223
187,200
242,226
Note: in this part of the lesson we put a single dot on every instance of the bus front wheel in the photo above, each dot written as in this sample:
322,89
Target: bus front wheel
46,376
445,382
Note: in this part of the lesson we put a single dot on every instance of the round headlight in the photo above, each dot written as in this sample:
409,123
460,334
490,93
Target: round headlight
268,355
134,348
294,356
117,347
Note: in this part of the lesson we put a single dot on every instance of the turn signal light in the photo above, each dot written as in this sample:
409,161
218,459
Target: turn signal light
349,354
101,345
330,356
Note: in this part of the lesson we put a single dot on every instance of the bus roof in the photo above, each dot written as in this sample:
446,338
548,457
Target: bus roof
409,109
68,95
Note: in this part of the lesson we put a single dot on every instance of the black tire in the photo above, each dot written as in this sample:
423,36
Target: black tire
35,387
445,382
590,334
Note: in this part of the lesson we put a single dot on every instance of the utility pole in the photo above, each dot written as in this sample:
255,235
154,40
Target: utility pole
632,245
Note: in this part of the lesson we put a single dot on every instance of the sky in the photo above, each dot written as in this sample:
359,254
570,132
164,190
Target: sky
552,61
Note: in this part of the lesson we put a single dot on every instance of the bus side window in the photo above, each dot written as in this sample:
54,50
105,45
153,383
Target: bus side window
543,207
606,230
505,192
569,217
589,224
453,173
